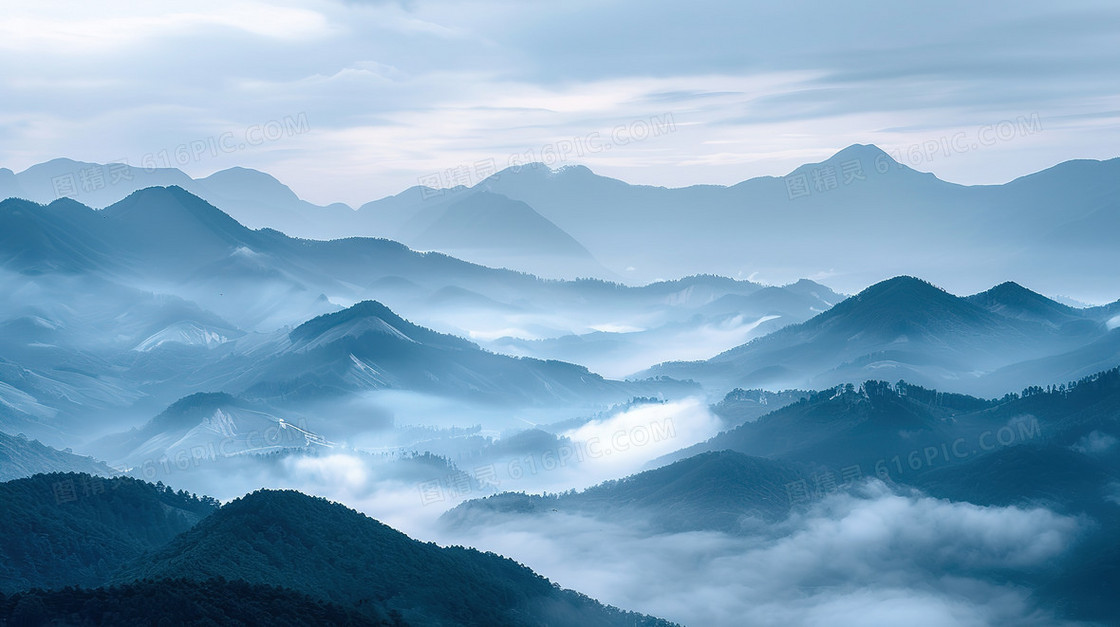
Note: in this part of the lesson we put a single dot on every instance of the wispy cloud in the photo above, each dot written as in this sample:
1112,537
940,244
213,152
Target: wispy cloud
395,90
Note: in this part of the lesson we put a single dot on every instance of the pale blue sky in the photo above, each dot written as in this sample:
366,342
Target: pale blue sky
395,92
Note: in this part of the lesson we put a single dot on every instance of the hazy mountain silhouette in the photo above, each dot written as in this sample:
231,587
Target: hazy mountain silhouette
20,457
258,200
720,491
252,197
708,313
859,216
1015,301
904,328
368,347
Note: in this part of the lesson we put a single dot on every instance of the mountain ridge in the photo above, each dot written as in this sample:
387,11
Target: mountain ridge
902,325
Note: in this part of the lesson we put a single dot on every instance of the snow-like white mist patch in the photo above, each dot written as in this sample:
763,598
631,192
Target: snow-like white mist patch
710,340
614,327
625,442
404,408
1113,323
375,488
22,401
617,349
186,333
489,335
246,252
1094,443
1112,492
340,470
636,353
873,558
348,480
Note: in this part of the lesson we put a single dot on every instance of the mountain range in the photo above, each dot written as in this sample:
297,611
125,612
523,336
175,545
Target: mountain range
20,457
178,298
183,329
720,491
857,217
129,532
1053,448
906,328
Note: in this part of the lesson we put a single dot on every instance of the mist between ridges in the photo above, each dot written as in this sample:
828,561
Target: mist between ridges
488,478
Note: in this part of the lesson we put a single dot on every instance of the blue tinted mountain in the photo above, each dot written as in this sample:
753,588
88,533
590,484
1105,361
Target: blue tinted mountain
368,347
859,216
21,457
330,552
905,328
717,491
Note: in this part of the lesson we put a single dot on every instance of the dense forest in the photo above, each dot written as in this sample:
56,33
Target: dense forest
74,529
177,602
331,552
85,550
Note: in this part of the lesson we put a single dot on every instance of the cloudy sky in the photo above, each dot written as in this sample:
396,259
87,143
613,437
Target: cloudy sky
350,101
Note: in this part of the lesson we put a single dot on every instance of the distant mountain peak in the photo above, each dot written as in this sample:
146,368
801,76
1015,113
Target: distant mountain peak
238,182
162,202
65,203
1014,299
249,171
61,161
189,410
365,309
871,158
572,170
1012,292
540,171
856,151
903,284
903,302
170,192
370,316
487,221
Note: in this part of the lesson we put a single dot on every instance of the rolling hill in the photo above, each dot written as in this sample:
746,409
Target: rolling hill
75,529
333,553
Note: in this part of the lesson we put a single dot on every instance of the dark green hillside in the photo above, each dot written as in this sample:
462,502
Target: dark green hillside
723,491
177,602
331,552
73,529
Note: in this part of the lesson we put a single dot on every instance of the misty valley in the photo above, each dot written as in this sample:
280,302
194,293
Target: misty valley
559,314
209,423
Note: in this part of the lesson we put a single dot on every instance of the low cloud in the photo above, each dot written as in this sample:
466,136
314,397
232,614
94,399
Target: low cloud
1095,443
624,443
871,558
